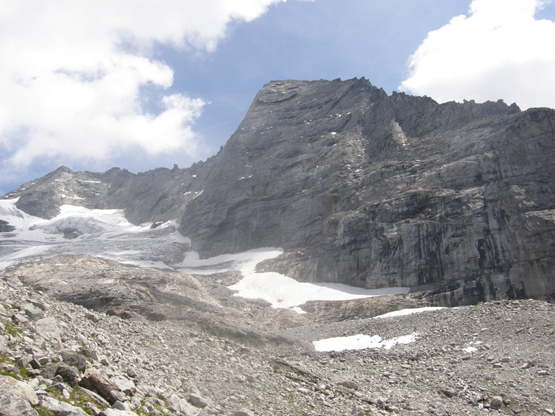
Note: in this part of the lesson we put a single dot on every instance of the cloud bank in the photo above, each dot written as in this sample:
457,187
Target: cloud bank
79,81
499,51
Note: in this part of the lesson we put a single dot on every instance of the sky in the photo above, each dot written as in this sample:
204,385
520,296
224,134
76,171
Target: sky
143,84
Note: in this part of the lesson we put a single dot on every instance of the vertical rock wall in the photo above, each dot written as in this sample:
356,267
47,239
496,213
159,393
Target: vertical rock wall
375,190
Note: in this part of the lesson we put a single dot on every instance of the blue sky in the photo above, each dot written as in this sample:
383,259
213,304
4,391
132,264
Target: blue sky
170,81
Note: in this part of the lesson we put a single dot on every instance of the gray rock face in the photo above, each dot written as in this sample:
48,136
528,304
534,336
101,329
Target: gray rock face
156,190
5,227
375,191
358,187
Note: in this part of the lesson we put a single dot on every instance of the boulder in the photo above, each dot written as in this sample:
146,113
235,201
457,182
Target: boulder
61,408
16,398
108,390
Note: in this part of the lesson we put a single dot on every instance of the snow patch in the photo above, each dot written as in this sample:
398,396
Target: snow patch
361,342
103,233
70,197
470,349
279,290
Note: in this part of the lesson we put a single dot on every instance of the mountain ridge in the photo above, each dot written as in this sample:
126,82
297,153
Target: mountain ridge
358,187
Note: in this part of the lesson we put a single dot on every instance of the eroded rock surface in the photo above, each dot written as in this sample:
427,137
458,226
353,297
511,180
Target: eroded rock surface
114,288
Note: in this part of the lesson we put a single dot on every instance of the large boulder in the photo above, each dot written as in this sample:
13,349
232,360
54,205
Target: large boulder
16,398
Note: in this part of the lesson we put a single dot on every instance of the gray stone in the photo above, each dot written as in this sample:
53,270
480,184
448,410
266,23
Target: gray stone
74,359
449,392
19,318
23,361
32,311
61,408
185,407
47,328
349,384
197,400
124,384
173,402
49,372
96,397
497,401
243,412
70,375
120,406
88,353
16,398
92,316
8,367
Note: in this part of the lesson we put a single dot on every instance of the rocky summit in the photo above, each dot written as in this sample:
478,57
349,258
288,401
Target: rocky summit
302,270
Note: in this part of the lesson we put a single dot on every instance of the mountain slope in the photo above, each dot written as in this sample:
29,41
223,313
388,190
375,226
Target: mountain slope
358,187
379,191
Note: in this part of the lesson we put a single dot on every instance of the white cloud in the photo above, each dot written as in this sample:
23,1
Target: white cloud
73,72
499,51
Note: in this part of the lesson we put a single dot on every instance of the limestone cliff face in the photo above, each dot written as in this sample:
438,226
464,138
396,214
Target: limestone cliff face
362,188
375,190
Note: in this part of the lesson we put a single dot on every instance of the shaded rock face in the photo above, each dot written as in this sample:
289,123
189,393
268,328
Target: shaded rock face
156,195
361,188
375,191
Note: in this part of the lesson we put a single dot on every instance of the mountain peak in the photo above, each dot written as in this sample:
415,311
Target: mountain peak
359,187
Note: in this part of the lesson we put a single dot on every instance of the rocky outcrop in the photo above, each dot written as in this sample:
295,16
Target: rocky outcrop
358,187
156,195
116,289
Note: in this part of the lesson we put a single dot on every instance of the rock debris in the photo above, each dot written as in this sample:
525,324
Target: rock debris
62,358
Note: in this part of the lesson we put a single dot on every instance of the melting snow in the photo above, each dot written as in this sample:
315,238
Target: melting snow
281,291
105,233
470,349
108,234
361,342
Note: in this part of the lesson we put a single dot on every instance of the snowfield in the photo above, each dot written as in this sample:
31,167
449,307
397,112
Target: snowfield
108,234
361,342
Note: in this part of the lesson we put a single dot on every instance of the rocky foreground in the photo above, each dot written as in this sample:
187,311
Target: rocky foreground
58,358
